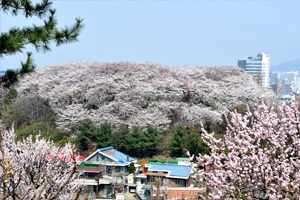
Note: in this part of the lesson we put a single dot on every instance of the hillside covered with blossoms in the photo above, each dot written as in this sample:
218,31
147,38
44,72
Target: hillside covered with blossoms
141,93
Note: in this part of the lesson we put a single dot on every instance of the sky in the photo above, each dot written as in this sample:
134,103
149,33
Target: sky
177,33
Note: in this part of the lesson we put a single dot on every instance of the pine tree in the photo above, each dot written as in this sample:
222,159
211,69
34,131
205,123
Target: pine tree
104,136
15,40
177,141
196,145
124,139
86,130
136,138
10,96
151,139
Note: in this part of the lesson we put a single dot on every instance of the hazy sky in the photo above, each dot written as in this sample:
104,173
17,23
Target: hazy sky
177,33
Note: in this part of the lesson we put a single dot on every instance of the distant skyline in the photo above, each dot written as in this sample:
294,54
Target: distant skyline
177,33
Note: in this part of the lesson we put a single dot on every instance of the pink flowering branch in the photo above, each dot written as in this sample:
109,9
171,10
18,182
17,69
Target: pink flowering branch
260,158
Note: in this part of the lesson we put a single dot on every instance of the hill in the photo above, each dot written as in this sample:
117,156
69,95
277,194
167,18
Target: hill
141,93
293,65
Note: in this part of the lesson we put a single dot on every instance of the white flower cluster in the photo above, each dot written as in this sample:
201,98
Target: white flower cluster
141,93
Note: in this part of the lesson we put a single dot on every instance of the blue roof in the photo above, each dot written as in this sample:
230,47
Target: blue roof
176,170
115,154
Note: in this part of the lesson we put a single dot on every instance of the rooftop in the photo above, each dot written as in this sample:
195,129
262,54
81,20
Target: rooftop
190,193
115,154
89,165
151,161
183,158
176,170
90,168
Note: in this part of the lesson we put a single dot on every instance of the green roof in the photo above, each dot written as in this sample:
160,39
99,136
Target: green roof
162,161
89,165
182,158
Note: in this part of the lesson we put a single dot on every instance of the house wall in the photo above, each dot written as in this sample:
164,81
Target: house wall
149,177
116,170
173,182
188,183
92,175
99,158
170,181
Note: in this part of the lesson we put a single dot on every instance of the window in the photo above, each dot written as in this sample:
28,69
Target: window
97,158
178,182
91,175
117,169
152,179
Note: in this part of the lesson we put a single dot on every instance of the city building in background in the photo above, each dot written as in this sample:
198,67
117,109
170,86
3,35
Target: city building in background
295,87
258,66
291,76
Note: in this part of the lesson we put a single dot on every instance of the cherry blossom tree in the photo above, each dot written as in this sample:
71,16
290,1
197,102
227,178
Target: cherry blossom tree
37,169
260,157
140,94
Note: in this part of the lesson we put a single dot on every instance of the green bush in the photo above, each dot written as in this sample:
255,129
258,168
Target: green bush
131,168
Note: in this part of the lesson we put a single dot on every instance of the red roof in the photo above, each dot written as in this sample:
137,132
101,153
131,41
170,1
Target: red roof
173,193
90,169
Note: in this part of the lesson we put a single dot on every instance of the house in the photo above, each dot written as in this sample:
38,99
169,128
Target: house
104,171
114,161
168,175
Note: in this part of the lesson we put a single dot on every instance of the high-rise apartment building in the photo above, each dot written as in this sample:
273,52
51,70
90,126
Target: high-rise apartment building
291,76
258,66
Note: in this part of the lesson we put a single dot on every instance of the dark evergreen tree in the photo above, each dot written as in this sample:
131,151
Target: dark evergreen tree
178,140
86,131
15,40
151,139
135,138
104,136
196,145
10,96
124,139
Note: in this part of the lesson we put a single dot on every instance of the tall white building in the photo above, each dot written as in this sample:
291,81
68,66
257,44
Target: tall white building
291,76
258,66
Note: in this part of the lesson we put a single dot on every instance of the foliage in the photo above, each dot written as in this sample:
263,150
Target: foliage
135,138
138,139
260,158
131,168
178,140
12,114
15,40
32,169
86,130
124,141
40,128
120,176
10,96
196,145
104,136
161,87
152,138
28,110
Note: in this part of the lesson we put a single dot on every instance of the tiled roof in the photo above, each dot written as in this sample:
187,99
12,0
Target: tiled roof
90,169
176,170
115,154
188,193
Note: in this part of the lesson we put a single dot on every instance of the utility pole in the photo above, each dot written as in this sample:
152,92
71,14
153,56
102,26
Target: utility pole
158,180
